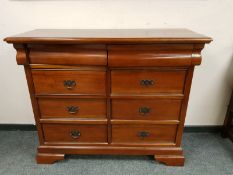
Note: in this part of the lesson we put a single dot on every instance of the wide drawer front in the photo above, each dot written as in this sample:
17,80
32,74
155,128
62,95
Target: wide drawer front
150,55
75,133
68,54
147,81
163,109
72,108
69,82
143,134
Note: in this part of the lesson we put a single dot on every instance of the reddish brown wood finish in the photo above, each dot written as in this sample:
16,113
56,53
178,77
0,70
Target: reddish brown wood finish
133,134
59,108
165,81
171,160
62,133
34,102
68,54
44,158
165,109
108,67
52,82
150,55
109,36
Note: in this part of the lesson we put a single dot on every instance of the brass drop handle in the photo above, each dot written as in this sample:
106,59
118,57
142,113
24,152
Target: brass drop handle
143,134
69,84
147,83
144,110
75,134
72,109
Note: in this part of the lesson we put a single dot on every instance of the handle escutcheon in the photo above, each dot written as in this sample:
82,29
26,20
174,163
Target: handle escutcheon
69,84
72,109
75,134
147,83
144,110
143,134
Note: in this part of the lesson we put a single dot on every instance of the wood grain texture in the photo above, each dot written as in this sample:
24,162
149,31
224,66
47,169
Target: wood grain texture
127,90
111,149
143,122
62,133
83,108
196,55
108,36
165,109
52,82
187,88
21,54
67,67
129,81
131,134
170,160
35,106
45,158
68,54
150,55
73,121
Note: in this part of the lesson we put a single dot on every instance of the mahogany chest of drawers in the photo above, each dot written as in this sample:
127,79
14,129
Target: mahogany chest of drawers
109,91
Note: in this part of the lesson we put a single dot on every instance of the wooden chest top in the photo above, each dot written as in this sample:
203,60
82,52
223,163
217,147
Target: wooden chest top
64,36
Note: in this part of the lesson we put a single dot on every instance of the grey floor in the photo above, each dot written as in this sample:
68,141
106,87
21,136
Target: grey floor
206,154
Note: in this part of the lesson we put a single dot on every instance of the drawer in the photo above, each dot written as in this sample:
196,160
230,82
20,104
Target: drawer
72,108
147,81
163,109
143,134
75,133
150,55
68,54
69,82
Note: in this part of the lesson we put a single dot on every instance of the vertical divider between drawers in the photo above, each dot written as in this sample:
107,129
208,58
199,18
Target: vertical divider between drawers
108,100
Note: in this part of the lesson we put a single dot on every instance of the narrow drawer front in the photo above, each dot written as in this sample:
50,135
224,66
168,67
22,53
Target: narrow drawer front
72,108
144,134
164,109
147,81
150,55
75,133
69,82
68,54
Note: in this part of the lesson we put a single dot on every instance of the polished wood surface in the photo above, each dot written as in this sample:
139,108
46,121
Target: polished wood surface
72,108
44,158
143,134
164,81
68,54
52,82
63,133
109,91
170,160
165,109
150,55
67,36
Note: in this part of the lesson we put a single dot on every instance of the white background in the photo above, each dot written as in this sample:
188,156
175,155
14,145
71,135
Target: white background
212,80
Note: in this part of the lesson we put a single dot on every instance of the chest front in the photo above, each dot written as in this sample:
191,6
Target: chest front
111,96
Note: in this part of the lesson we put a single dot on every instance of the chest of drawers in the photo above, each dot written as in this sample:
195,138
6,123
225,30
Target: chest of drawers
109,91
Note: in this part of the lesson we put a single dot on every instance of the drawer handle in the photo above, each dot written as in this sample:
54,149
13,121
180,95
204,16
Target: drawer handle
72,109
146,83
144,110
69,84
75,134
143,134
